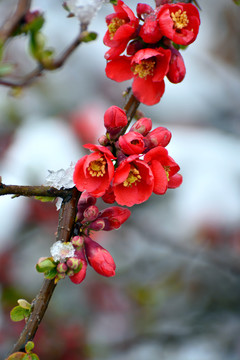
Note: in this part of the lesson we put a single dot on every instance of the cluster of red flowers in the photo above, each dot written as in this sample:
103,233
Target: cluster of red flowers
129,167
151,47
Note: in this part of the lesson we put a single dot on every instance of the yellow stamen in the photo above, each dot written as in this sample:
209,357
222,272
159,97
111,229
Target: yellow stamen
180,19
145,68
114,25
133,178
167,169
97,167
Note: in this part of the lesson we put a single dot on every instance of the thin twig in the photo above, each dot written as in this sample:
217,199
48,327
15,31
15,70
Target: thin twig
13,21
20,190
65,227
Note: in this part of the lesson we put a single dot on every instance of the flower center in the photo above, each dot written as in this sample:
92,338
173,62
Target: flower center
114,25
133,177
167,169
180,19
145,68
97,167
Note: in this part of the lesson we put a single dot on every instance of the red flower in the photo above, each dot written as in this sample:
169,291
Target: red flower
179,22
133,181
177,70
94,172
99,258
164,170
121,28
132,143
114,217
115,119
150,31
80,276
148,68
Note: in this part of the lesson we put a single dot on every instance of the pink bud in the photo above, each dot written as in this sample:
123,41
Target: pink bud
99,258
115,119
80,276
90,213
114,217
177,70
158,137
103,140
62,267
85,201
142,126
77,241
97,225
132,143
73,263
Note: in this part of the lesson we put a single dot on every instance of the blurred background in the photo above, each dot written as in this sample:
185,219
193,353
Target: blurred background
176,294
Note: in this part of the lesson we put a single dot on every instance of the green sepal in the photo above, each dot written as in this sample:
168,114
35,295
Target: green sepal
45,265
18,313
16,356
33,357
90,36
29,346
27,357
78,269
45,198
50,274
37,44
6,69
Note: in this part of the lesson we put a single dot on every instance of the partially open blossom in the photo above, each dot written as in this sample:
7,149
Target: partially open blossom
99,258
94,172
133,181
132,143
147,68
115,119
164,168
142,126
122,25
158,137
78,277
179,22
177,70
114,217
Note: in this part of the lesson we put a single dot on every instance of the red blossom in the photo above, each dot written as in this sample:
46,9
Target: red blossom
158,137
132,143
142,126
179,22
99,258
109,196
177,70
164,170
133,181
150,31
122,26
114,217
148,68
94,172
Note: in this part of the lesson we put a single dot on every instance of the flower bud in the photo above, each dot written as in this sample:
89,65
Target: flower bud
103,140
99,258
97,225
177,70
85,201
158,137
142,126
109,196
77,241
132,143
73,263
69,273
62,267
78,277
90,213
115,119
114,217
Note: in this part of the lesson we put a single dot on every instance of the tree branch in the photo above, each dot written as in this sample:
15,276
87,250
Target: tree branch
40,303
20,190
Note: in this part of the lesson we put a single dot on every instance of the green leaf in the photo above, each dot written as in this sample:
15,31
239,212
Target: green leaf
45,198
24,304
34,357
90,36
114,2
16,356
6,69
18,313
27,357
237,2
29,346
45,265
50,274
